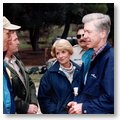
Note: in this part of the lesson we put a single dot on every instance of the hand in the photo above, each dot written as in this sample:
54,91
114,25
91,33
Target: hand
32,109
74,108
70,104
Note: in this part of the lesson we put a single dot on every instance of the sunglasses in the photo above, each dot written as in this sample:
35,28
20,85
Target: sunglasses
79,36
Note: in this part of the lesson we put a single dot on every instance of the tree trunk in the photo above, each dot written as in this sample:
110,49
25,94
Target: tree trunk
67,26
34,37
66,30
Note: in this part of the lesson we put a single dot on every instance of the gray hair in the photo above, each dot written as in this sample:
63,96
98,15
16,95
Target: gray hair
102,21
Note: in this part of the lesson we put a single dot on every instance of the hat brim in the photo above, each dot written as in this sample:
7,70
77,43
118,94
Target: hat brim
12,27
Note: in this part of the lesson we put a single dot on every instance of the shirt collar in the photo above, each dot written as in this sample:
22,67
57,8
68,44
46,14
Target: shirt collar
10,60
98,51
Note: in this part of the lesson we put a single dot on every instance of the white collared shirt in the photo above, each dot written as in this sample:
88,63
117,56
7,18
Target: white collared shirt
77,54
12,63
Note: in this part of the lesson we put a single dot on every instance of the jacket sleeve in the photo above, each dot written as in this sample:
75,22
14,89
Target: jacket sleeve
45,100
20,104
33,97
105,102
31,85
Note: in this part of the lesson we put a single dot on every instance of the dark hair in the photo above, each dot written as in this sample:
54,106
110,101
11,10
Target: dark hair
81,26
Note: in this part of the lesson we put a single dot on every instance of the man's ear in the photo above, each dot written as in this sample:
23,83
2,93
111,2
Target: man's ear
103,34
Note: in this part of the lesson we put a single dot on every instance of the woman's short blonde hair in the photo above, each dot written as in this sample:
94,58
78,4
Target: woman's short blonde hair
63,45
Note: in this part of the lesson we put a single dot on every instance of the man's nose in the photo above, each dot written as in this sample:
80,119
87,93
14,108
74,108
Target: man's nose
9,38
18,42
85,35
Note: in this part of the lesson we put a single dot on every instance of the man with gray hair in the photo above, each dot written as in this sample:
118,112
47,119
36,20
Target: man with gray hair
97,96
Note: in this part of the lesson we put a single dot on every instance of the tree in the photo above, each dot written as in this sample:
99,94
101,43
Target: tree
110,12
39,17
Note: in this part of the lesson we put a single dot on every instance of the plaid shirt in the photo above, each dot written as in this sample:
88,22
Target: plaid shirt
97,52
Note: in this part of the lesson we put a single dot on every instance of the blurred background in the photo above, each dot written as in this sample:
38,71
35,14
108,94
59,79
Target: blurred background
43,23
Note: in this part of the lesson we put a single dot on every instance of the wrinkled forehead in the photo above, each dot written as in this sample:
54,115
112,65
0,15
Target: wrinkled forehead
90,26
13,32
6,31
81,31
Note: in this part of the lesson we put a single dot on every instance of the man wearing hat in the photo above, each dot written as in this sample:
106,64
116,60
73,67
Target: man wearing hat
23,87
8,101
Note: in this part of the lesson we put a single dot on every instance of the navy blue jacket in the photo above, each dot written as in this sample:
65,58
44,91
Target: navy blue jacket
98,93
55,90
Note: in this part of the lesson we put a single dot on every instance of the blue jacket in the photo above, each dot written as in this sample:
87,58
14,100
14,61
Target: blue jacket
55,90
98,93
8,100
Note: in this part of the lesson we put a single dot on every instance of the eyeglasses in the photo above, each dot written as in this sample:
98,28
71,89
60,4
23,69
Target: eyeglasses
79,36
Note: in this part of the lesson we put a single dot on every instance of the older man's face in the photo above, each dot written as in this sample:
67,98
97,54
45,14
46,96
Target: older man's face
92,35
6,39
14,43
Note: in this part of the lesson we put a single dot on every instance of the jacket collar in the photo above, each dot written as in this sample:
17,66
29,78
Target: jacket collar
56,66
108,46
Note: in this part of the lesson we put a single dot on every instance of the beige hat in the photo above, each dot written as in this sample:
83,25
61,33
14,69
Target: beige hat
7,25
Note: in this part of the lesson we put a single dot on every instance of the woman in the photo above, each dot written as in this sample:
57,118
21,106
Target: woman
57,85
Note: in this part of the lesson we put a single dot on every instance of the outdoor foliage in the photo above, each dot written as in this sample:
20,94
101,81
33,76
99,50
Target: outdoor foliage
39,18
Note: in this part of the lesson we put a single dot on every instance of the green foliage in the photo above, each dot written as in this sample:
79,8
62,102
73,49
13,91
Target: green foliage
46,39
44,19
24,45
36,78
95,7
102,8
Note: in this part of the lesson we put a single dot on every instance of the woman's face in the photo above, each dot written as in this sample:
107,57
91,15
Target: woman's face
63,57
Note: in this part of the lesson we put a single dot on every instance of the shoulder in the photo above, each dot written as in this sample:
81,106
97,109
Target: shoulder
17,55
108,51
76,46
51,71
76,65
54,67
18,59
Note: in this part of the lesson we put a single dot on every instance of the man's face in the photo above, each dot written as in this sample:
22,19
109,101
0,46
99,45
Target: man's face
80,39
6,39
14,43
92,35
